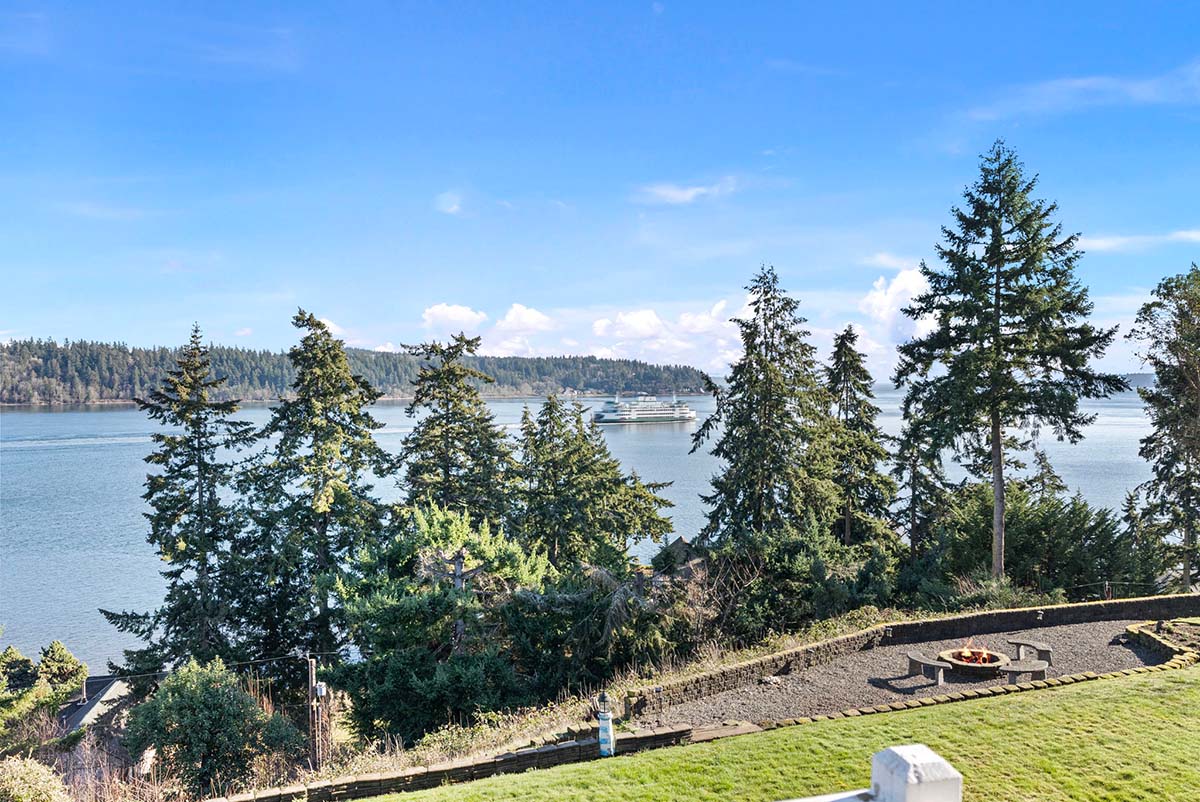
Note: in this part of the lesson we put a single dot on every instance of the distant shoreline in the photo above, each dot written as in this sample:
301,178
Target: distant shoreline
391,399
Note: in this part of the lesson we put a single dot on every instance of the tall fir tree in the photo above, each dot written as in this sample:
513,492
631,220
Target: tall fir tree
1011,345
192,525
310,498
1168,330
772,427
456,457
922,488
574,501
859,452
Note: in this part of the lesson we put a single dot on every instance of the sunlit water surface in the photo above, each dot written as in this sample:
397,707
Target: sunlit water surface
72,535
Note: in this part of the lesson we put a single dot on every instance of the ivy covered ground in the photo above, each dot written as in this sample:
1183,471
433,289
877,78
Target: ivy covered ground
1131,738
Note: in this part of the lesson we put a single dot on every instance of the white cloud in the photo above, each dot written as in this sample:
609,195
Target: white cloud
889,260
511,346
245,332
344,334
387,348
523,320
444,317
1134,242
678,195
448,203
639,324
334,328
885,302
1180,86
714,319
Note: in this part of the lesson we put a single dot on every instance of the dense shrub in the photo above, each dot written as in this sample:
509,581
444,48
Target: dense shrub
18,671
1055,541
24,780
205,728
60,669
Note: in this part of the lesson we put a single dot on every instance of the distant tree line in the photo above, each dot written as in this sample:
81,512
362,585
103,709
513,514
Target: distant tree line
46,372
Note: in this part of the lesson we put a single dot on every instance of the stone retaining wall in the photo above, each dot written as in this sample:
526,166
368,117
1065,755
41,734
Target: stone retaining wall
418,777
657,698
583,749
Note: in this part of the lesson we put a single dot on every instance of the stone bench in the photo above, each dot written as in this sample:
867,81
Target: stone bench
1036,669
920,664
1043,651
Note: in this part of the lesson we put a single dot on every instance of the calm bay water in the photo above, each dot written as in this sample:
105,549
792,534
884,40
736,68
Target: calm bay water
72,536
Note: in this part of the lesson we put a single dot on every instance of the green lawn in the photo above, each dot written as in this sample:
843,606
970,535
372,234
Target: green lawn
1132,738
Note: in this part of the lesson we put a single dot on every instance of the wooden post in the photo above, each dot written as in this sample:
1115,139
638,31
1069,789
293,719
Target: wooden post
314,718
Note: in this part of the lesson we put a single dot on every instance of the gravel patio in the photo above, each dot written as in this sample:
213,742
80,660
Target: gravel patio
877,676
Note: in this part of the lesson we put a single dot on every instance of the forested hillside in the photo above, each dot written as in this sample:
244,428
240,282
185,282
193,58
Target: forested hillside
46,372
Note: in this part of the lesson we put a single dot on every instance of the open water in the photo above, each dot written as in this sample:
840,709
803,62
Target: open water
72,535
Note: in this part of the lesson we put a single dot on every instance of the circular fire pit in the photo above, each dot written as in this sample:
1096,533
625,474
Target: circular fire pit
975,660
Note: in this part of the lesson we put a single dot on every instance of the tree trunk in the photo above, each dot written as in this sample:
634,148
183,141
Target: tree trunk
1189,543
997,498
846,528
914,543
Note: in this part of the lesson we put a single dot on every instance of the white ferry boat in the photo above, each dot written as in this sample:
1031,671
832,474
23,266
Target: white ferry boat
643,409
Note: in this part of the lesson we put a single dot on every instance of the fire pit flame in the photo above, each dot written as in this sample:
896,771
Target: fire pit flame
975,659
970,653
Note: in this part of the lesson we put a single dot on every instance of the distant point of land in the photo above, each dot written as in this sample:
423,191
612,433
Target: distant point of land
85,372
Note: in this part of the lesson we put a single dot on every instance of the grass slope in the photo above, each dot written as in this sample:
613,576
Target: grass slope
1134,738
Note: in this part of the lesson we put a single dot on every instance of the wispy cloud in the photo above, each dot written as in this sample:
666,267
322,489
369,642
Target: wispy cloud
272,49
890,261
678,194
102,211
243,332
449,202
1136,242
25,34
1062,95
794,67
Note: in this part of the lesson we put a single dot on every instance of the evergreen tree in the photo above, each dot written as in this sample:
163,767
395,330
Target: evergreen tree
1060,543
858,445
1011,346
61,670
1147,540
456,457
310,498
574,501
921,479
774,424
1168,330
192,526
424,607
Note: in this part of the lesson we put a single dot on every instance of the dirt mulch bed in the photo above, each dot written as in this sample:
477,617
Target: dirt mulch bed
877,676
1184,631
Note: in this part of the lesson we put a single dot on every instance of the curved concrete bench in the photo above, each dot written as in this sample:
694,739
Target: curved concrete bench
1036,669
1043,651
920,664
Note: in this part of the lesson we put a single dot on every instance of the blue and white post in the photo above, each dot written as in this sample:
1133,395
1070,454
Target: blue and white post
604,718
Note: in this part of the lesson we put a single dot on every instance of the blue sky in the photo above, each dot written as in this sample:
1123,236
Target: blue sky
564,177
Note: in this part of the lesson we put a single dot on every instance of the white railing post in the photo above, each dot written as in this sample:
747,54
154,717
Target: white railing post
913,773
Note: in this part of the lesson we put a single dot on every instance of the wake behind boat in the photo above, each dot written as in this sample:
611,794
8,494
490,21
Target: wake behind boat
643,409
